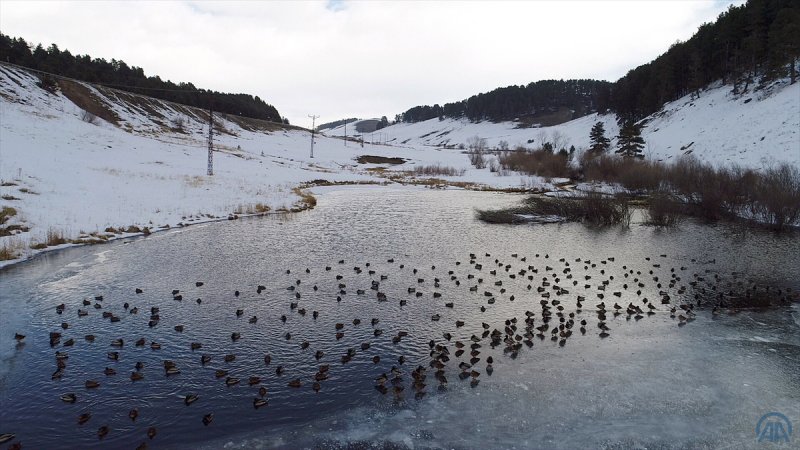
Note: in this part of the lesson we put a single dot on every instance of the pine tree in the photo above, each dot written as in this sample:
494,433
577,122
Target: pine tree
599,142
630,140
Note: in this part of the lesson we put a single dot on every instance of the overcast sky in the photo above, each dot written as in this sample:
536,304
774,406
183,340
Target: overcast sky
363,59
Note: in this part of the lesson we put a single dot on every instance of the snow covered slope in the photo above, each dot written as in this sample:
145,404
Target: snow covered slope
753,130
145,164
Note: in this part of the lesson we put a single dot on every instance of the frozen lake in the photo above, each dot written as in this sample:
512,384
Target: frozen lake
655,380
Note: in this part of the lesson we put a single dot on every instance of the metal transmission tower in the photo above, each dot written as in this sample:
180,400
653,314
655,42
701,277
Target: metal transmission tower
210,139
313,119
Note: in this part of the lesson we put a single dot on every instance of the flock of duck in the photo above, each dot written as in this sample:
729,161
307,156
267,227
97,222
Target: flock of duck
464,349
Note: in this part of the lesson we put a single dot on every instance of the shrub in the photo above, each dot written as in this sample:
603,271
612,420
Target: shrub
663,210
178,123
48,83
600,209
537,162
633,174
476,159
88,117
594,209
777,196
438,169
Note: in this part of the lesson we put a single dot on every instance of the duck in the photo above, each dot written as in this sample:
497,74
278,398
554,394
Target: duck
151,432
69,398
296,383
83,418
259,402
135,376
253,381
231,381
133,414
91,384
189,399
102,431
207,419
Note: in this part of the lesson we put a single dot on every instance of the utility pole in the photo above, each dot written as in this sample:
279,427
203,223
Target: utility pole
210,138
313,119
345,132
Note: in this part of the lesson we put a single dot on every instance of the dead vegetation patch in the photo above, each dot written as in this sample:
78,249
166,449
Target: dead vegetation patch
84,98
372,159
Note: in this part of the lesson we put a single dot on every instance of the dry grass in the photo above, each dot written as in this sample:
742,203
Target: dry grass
6,213
250,124
307,200
11,249
55,237
195,181
438,169
371,159
252,208
87,101
9,197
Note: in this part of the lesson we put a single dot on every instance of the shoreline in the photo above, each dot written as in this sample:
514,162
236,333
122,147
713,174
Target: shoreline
304,203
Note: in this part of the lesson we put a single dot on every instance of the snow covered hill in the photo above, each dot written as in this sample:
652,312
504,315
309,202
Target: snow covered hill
755,129
141,163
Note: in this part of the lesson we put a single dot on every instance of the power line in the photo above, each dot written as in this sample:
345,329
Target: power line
313,119
210,139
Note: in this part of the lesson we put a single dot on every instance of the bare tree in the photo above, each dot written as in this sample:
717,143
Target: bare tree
559,141
477,146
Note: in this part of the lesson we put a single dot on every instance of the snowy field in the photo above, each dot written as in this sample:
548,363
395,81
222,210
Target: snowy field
65,176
